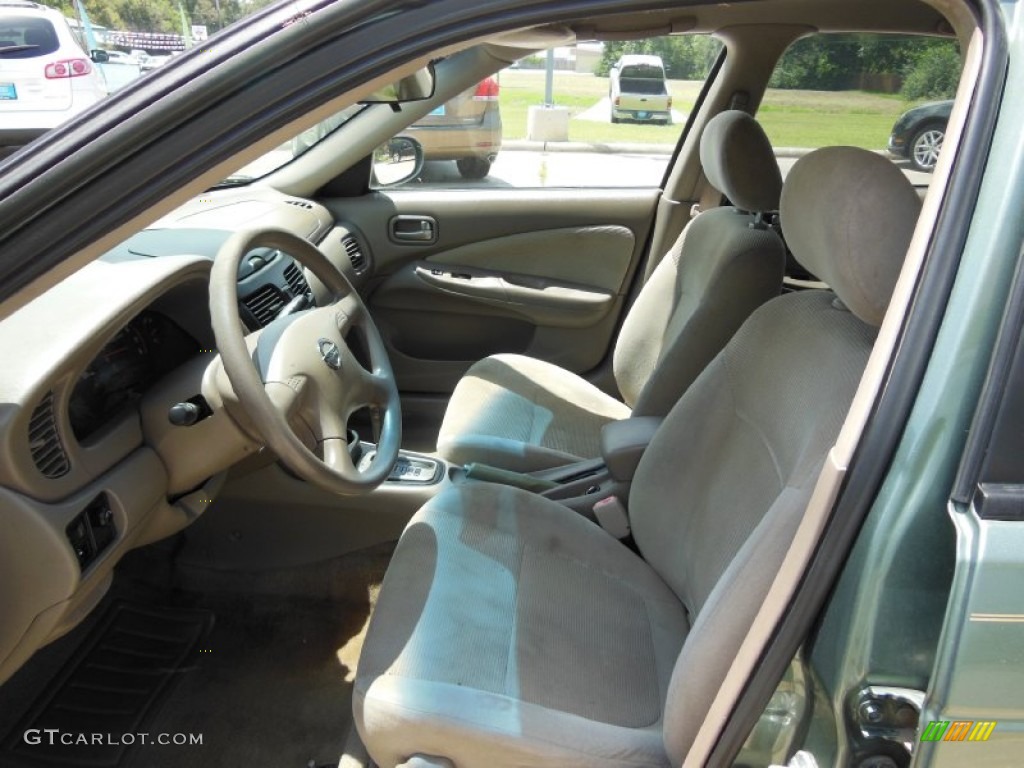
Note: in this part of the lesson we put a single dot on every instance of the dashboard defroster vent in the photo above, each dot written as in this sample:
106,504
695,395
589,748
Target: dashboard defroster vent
300,204
265,304
355,253
44,440
296,280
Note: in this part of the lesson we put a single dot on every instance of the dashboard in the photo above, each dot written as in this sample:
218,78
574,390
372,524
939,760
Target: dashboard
91,464
150,346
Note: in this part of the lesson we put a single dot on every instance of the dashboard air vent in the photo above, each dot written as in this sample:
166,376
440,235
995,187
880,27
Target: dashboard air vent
300,204
44,441
265,304
296,280
355,253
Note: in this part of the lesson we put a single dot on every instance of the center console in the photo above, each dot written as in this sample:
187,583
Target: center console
584,486
595,488
410,469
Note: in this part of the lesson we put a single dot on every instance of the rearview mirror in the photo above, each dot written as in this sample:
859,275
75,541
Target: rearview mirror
397,161
416,87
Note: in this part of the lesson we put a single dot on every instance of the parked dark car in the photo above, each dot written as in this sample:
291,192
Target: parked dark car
919,133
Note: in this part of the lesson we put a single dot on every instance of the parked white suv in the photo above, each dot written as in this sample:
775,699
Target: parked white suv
45,76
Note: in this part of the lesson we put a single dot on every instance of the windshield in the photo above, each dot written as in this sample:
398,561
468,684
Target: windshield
296,146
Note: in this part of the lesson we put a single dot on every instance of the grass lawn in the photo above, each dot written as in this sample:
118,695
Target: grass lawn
791,118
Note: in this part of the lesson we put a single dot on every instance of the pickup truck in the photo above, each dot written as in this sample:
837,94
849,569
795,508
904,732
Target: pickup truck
637,90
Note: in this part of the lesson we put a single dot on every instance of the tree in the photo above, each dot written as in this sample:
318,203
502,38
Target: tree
934,73
868,61
160,15
818,62
686,57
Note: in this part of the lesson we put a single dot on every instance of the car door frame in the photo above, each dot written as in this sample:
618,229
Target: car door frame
917,367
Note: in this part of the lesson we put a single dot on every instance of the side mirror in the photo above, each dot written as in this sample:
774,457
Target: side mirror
397,161
98,56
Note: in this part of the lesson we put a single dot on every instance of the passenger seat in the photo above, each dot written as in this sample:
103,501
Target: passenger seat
524,414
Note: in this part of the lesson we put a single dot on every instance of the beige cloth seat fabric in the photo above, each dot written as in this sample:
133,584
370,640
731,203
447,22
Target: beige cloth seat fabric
512,632
522,413
519,413
555,690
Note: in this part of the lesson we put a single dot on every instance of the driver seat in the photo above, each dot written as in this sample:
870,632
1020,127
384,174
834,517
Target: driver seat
511,631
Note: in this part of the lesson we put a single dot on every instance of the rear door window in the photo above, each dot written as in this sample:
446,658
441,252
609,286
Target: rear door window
642,84
26,37
888,93
642,72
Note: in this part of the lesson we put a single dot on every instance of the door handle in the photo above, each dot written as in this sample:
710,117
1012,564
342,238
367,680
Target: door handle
419,230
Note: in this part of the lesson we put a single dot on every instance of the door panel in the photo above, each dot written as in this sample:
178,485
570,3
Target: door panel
465,290
536,272
602,254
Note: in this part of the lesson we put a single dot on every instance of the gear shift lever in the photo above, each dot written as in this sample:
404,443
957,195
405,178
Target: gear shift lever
355,447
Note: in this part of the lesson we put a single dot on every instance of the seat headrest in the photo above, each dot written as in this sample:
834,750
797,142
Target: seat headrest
848,216
739,161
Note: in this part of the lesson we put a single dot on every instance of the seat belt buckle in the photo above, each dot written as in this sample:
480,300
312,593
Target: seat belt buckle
695,210
611,516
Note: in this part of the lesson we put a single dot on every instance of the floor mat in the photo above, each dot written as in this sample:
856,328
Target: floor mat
271,692
268,686
101,700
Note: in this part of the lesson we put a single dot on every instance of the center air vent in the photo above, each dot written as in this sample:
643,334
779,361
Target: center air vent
44,441
265,303
355,253
296,280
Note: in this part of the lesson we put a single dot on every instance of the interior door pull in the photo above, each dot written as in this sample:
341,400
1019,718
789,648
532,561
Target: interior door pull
413,229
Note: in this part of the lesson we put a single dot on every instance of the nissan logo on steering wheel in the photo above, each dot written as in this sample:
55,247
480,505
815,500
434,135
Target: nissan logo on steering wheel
330,353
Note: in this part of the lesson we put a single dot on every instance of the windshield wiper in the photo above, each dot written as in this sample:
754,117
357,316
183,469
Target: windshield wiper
16,48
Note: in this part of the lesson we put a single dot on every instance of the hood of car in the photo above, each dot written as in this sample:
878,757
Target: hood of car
931,109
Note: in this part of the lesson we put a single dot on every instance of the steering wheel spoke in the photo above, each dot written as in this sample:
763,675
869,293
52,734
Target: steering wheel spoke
338,458
287,396
349,312
302,363
374,388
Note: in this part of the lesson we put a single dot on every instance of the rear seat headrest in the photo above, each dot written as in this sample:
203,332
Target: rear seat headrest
739,161
848,215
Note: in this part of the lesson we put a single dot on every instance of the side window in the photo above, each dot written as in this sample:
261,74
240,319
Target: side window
888,93
612,117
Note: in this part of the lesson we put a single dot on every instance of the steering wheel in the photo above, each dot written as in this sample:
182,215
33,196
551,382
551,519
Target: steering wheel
300,371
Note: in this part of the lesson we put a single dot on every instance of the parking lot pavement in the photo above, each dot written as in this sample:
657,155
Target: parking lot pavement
558,169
